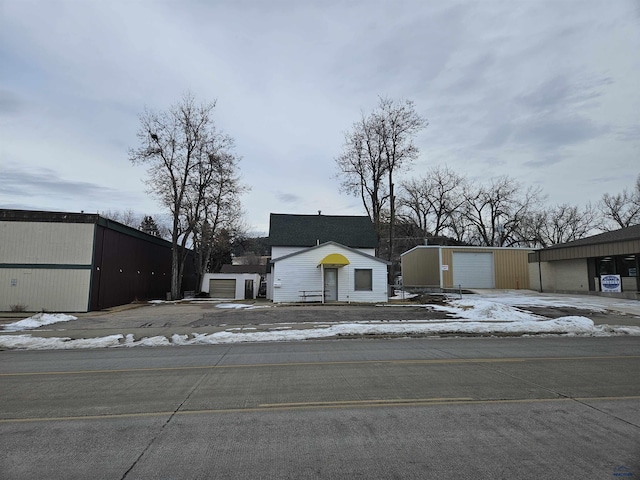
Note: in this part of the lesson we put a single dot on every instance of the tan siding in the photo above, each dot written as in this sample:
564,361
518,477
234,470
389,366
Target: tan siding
52,290
420,267
447,275
46,243
511,269
588,251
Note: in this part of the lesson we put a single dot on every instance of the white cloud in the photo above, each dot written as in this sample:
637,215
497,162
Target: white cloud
529,89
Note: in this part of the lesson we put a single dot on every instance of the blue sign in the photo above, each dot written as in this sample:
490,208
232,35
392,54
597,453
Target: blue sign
611,283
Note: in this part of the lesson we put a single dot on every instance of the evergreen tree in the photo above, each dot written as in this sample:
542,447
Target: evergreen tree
149,225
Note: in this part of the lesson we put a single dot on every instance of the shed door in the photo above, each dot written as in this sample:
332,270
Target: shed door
473,269
222,288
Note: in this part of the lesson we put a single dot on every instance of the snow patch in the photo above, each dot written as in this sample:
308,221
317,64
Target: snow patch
38,320
473,309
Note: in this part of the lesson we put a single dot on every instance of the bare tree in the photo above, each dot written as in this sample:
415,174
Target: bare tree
397,123
621,210
499,210
363,170
375,148
182,149
126,217
432,199
560,224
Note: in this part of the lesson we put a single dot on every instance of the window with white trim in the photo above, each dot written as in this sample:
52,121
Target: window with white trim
363,279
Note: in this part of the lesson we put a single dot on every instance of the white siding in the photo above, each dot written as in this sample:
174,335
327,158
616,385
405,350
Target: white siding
239,278
52,290
46,243
301,272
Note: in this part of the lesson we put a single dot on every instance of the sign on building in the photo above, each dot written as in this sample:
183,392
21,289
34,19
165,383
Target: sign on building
610,283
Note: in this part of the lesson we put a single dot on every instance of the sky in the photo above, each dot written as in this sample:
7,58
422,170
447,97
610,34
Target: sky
544,92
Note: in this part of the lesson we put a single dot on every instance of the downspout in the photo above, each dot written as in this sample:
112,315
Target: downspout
539,271
322,279
440,267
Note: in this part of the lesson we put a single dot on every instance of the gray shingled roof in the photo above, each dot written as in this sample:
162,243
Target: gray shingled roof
621,235
309,230
261,269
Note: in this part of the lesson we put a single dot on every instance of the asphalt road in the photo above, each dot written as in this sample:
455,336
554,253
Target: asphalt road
469,408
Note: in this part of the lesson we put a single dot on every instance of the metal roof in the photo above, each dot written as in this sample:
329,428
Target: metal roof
621,235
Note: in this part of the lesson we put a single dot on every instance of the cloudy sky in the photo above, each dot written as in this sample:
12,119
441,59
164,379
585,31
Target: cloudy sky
546,92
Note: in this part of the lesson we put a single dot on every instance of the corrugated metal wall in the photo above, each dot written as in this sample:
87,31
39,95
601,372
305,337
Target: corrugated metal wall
46,243
589,251
48,289
45,266
421,267
127,268
511,266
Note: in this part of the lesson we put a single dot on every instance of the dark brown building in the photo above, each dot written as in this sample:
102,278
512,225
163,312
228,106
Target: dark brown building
77,262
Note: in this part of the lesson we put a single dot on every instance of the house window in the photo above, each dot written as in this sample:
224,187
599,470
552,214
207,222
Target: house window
364,279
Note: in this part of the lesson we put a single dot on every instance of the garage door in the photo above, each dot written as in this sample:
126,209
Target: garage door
219,288
473,270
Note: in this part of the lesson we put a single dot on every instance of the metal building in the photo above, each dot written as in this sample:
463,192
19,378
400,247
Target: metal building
608,262
76,262
445,267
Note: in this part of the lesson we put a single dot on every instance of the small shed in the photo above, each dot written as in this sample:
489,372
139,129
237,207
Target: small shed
231,286
329,272
441,267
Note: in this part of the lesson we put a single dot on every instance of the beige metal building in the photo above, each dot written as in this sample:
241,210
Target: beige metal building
445,267
583,265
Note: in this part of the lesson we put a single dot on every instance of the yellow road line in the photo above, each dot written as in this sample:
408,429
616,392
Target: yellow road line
434,361
364,402
319,405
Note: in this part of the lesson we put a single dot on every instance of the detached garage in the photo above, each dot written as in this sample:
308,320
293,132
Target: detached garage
444,267
231,286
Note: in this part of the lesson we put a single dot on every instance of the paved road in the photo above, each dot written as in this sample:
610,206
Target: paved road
410,408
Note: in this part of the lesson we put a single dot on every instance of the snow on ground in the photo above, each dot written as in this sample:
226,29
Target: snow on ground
534,299
478,309
490,313
564,326
38,320
240,305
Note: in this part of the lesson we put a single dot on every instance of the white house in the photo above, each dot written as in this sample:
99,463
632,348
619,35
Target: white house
329,272
325,258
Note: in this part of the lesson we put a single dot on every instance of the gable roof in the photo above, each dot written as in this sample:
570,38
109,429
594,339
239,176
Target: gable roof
621,235
309,230
336,244
226,268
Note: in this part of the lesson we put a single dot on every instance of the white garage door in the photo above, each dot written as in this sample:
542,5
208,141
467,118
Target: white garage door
473,269
219,288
